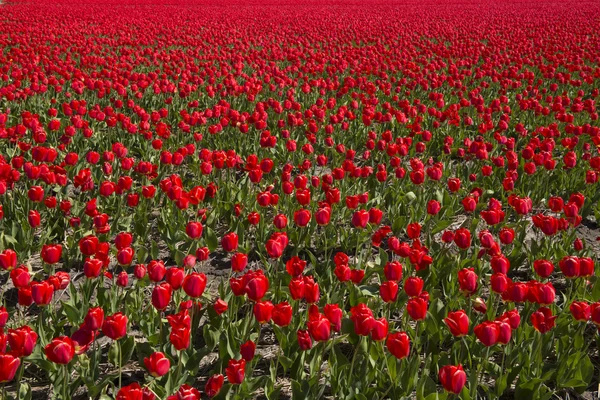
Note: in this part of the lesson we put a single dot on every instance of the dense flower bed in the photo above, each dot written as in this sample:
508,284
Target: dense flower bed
248,199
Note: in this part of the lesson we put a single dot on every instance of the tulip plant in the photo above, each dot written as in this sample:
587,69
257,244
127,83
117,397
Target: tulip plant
309,200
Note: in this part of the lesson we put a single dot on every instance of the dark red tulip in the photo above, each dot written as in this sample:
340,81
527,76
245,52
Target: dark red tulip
570,266
304,340
247,350
220,306
462,238
360,219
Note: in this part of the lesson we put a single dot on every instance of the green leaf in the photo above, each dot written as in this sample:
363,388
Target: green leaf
211,239
24,391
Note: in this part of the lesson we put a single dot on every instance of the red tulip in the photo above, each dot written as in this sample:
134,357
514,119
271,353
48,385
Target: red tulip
334,315
230,242
156,270
60,350
379,330
175,277
194,284
319,327
34,219
247,350
22,341
20,277
282,314
581,311
487,333
570,266
8,260
458,323
186,392
263,311
161,296
194,230
467,280
8,367
393,271
131,392
3,317
388,291
256,285
302,217
295,266
311,290
125,256
239,262
82,339
543,320
115,326
213,385
413,286
235,371
51,253
462,238
504,331
157,364
360,218
417,308
398,344
94,318
363,320
92,267
304,340
42,293
452,378
123,239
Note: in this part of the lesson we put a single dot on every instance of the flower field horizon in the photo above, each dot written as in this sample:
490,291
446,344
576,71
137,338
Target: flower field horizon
299,200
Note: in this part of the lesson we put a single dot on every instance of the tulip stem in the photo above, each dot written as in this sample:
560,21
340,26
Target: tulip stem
120,362
20,375
66,383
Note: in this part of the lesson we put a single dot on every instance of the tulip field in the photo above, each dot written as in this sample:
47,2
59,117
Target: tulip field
299,199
